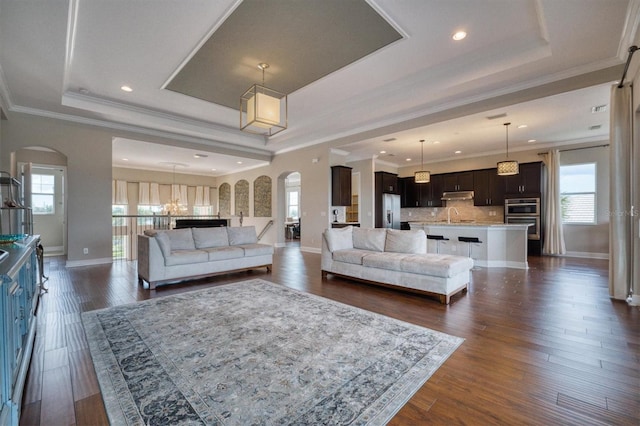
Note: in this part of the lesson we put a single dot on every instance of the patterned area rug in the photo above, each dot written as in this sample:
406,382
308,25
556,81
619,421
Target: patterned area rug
254,353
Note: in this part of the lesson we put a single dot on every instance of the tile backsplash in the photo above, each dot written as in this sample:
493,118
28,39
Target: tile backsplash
467,212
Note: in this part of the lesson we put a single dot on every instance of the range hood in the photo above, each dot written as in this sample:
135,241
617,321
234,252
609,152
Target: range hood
457,196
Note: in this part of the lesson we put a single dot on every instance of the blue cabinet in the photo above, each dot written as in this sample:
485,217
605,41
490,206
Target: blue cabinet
19,293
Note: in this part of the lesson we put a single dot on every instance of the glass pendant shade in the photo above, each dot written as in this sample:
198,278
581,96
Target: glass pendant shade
422,176
508,168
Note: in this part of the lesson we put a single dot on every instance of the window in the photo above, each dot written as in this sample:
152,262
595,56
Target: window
293,201
43,194
578,193
203,210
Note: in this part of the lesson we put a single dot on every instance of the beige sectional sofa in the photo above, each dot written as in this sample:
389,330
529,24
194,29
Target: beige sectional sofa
394,258
180,254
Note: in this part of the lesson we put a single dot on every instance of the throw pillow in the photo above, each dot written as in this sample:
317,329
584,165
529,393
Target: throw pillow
242,235
339,238
369,238
413,241
181,239
210,237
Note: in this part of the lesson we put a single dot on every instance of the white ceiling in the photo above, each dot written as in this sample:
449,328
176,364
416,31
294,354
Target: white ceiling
68,59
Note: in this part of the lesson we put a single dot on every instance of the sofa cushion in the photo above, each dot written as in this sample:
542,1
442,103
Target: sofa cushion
224,253
210,237
388,261
256,249
242,235
369,238
350,256
181,239
186,257
164,243
339,238
414,241
439,265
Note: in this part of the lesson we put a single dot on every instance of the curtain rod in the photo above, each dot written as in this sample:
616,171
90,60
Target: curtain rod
577,149
632,49
190,186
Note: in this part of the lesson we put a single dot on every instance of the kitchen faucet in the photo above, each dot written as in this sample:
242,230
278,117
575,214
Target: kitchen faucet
449,213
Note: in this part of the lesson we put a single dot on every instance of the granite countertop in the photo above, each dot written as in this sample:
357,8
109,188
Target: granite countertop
470,224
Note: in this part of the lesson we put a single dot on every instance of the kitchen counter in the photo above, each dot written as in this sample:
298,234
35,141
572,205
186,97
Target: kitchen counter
503,245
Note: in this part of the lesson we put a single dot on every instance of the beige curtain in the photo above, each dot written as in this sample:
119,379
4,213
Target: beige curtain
554,235
179,193
620,226
148,194
202,196
119,192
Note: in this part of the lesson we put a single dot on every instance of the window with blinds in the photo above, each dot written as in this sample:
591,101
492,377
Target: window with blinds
578,193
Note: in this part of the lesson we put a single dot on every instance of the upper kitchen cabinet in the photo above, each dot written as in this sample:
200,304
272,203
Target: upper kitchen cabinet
409,195
527,183
387,182
431,193
340,186
459,181
488,188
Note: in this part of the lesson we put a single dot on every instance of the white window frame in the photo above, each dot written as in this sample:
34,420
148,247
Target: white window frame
295,189
594,192
52,195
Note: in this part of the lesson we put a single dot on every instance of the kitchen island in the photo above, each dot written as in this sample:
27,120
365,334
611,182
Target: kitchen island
502,245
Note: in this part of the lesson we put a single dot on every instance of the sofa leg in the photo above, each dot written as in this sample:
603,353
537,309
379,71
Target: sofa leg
269,268
152,286
444,299
324,274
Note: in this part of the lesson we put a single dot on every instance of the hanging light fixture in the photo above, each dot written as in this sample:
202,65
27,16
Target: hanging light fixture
508,167
174,207
422,176
263,111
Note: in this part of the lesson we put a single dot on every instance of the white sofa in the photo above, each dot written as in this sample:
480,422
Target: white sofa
395,258
179,254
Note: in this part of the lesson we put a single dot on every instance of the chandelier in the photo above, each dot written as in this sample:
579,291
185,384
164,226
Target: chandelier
175,207
422,176
263,110
508,167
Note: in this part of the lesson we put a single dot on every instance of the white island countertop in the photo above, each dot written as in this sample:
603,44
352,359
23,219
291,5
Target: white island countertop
502,245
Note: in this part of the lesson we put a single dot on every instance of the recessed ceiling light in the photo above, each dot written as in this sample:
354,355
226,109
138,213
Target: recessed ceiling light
213,170
459,35
531,140
408,159
522,126
458,152
126,88
383,152
239,162
125,159
200,155
436,142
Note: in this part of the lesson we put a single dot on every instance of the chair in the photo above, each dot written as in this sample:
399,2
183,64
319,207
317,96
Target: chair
469,241
437,238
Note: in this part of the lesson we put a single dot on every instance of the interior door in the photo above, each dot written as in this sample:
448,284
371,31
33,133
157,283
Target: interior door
48,205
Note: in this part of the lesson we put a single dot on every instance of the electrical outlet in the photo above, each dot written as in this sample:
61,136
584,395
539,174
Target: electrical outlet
85,250
409,214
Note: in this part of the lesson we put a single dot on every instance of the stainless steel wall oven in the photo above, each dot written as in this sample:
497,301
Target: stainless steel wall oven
524,211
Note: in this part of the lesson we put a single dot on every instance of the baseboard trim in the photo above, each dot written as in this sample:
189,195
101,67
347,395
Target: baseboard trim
586,255
88,262
280,245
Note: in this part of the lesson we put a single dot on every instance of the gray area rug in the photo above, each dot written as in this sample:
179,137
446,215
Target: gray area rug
257,353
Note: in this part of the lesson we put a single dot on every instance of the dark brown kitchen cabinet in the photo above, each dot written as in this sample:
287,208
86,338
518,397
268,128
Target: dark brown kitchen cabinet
459,181
340,186
409,192
387,182
527,183
431,193
488,188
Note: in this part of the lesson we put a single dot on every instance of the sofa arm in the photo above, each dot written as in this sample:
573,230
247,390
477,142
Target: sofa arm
326,256
150,260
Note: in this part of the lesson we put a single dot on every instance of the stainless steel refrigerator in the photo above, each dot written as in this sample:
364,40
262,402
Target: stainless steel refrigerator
391,211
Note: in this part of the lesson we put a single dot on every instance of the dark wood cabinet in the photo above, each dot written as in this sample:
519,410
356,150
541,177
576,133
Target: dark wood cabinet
488,188
527,183
340,186
459,181
387,182
421,194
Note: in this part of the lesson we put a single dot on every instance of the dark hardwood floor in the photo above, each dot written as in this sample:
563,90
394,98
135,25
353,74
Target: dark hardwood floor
544,346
